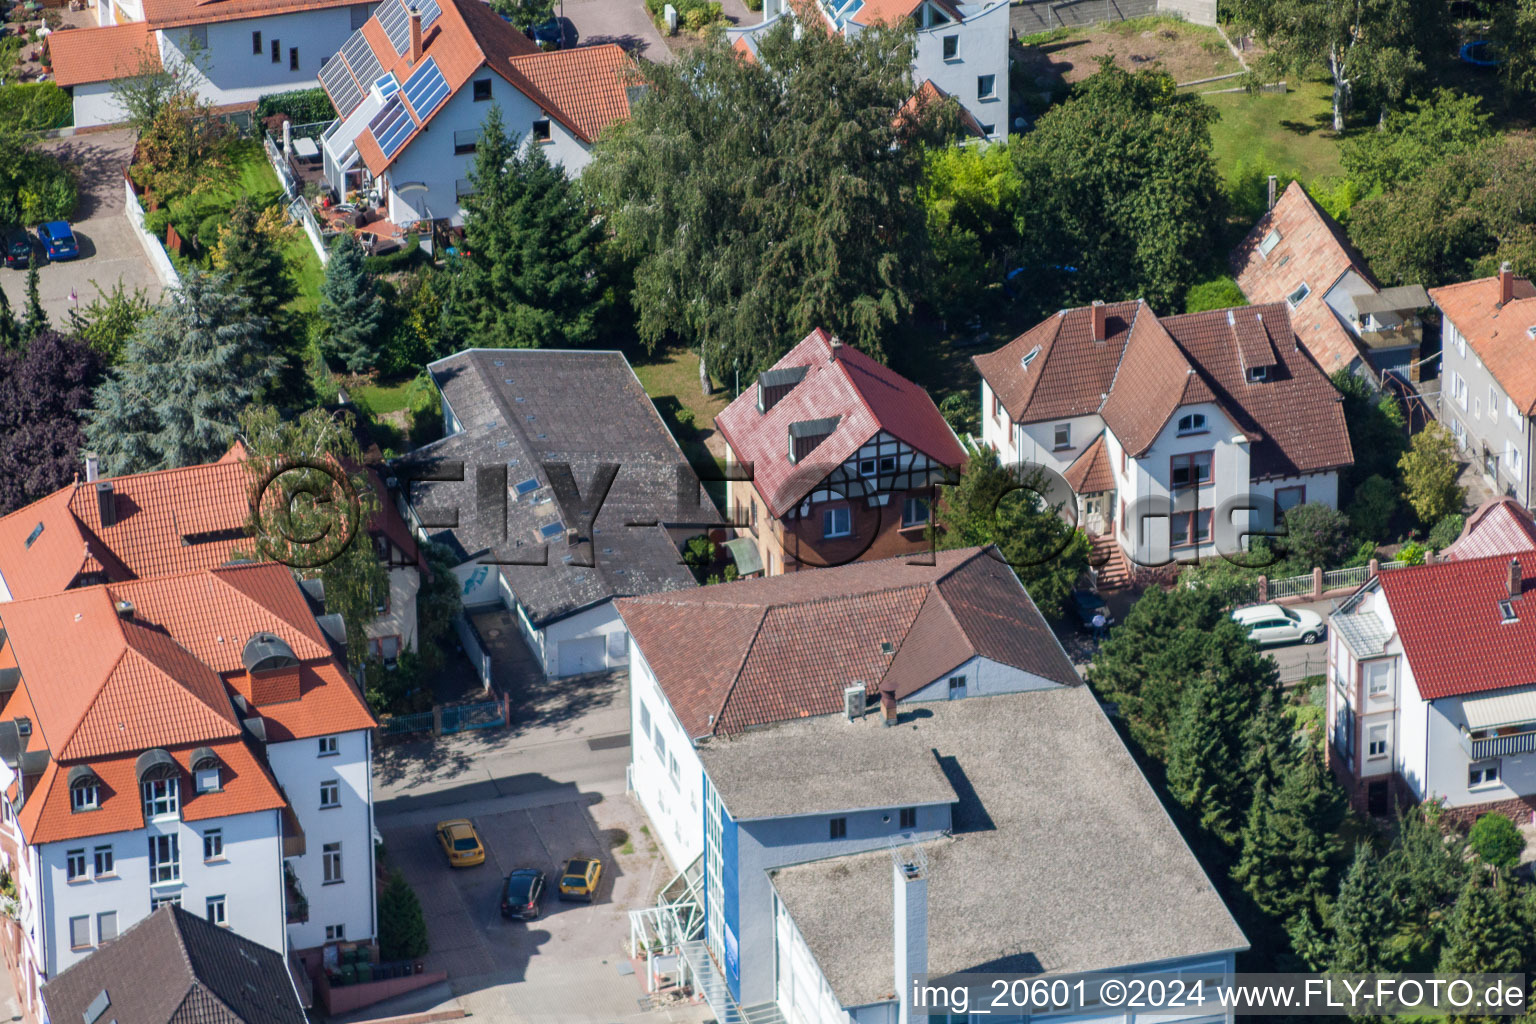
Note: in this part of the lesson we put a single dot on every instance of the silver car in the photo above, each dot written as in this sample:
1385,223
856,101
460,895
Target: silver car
1273,624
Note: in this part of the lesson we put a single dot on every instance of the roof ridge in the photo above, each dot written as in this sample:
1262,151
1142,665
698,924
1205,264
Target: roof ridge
741,664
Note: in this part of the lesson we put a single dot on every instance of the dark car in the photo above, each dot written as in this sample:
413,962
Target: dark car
58,240
550,35
18,249
522,894
1086,604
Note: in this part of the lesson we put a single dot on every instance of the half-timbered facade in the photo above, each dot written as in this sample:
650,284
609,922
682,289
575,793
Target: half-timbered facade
837,458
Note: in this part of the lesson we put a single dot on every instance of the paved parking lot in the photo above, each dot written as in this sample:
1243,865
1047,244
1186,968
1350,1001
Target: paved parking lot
109,250
625,22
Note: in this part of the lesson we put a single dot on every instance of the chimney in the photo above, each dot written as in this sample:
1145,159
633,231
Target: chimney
837,348
415,35
888,706
106,503
1272,184
1506,282
909,869
92,467
1100,320
1514,578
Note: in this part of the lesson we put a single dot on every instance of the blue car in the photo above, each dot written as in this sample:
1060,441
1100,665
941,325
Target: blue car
550,35
58,240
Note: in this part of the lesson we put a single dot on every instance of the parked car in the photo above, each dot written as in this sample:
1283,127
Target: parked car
461,843
580,877
522,894
1272,624
1086,604
18,249
550,35
58,240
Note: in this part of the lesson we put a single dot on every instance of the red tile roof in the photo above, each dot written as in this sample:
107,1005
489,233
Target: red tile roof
926,95
100,54
1312,250
1146,368
865,397
1499,335
585,88
1090,472
786,646
1498,527
170,13
891,12
1447,616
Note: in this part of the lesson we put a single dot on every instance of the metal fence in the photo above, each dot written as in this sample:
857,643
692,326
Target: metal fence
1293,587
485,715
1311,665
1337,578
397,725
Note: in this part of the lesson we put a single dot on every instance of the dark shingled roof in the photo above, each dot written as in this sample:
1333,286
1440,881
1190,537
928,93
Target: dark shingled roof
175,968
523,408
785,647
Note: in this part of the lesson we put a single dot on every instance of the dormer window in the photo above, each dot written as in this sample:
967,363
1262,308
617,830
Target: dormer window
1257,373
160,783
1298,296
1194,423
84,789
207,771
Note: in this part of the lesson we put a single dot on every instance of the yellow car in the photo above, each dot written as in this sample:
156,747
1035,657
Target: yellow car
461,843
579,878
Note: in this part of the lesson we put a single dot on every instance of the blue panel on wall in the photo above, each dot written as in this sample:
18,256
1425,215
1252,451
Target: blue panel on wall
730,885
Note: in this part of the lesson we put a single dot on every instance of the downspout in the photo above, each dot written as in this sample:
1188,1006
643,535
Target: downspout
373,915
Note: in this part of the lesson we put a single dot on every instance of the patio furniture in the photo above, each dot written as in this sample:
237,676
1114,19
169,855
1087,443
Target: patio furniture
305,149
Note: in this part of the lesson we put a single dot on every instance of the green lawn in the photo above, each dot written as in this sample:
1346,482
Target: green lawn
1291,130
671,378
381,399
251,174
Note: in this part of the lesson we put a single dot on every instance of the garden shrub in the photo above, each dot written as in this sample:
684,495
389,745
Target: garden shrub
1374,505
302,106
1446,531
402,928
1497,840
403,258
35,106
1411,553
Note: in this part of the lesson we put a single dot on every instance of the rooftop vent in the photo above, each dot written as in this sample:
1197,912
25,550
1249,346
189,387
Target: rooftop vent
124,609
853,701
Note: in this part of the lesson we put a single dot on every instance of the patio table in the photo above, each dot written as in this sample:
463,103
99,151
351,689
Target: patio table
305,149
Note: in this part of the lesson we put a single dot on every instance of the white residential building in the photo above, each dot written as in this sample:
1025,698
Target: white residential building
190,739
1167,428
962,48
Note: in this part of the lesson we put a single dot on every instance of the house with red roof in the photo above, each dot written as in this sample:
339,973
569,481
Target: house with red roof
962,48
441,64
234,51
1166,428
1488,370
1299,255
844,454
190,739
1432,688
147,525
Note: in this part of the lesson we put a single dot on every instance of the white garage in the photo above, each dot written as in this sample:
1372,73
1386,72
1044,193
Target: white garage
583,654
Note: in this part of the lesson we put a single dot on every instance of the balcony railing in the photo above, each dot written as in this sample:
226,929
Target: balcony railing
1499,746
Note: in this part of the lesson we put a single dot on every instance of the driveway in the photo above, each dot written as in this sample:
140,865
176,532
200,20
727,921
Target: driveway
109,250
625,22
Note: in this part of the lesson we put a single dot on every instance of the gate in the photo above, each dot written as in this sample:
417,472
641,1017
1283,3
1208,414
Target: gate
485,715
396,725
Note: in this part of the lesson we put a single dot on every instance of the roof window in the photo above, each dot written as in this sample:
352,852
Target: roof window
1507,612
37,531
1029,357
1298,296
1270,241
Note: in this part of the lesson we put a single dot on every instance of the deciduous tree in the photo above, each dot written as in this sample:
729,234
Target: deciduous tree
765,198
1428,132
1429,469
186,374
110,318
1497,841
42,387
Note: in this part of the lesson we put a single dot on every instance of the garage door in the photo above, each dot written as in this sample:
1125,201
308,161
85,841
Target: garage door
583,655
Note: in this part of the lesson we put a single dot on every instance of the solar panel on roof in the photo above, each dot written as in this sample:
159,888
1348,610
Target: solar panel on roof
394,20
426,89
429,12
359,57
391,125
340,86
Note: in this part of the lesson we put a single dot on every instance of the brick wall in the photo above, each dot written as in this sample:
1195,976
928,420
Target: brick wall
1520,810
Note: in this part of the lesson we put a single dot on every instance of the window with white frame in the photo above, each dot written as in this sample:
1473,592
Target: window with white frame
164,859
105,867
1378,678
331,862
84,795
327,746
660,744
1299,296
207,780
914,512
986,86
1192,423
1483,773
1376,746
215,910
1513,412
74,866
1458,385
956,687
951,47
161,797
866,467
645,720
837,828
213,844
677,778
836,522
1512,461
330,793
1493,404
171,900
1063,435
887,463
80,932
1461,342
335,933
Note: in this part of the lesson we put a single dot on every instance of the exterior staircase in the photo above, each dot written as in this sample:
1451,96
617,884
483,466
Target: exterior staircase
1111,570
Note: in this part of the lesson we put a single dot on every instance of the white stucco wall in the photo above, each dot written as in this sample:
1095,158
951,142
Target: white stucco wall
229,72
430,159
981,48
249,877
983,677
300,769
674,808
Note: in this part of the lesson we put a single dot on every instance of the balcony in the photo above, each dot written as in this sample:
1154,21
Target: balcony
1405,335
293,833
295,903
1499,746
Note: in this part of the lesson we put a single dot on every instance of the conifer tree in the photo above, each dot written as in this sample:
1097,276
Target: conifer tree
254,264
10,330
1362,916
402,928
1289,839
350,307
186,374
1205,757
1486,933
37,318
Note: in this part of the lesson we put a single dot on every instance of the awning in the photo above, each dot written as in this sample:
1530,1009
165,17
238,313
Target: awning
1500,710
744,553
1403,299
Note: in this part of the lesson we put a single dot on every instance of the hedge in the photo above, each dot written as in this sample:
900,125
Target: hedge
35,106
303,106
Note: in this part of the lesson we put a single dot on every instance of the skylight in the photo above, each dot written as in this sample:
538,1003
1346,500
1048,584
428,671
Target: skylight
1270,241
550,530
524,486
1029,357
37,531
1507,612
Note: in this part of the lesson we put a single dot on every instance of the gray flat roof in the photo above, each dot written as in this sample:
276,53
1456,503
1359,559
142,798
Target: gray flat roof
525,408
841,766
1062,858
